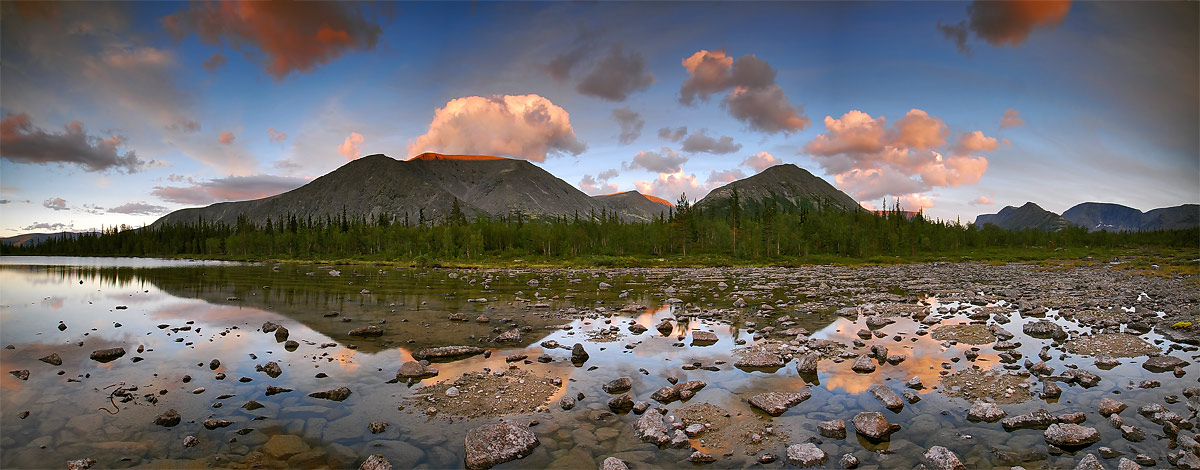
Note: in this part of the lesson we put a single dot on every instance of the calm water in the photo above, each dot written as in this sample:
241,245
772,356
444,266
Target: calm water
185,314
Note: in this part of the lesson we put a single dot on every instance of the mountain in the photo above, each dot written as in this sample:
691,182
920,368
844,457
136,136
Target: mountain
1098,216
788,184
635,206
1027,216
30,239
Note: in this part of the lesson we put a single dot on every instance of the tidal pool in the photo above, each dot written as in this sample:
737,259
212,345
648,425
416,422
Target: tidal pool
173,319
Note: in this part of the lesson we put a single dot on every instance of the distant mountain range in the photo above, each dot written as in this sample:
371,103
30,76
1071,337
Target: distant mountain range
1095,216
35,238
426,187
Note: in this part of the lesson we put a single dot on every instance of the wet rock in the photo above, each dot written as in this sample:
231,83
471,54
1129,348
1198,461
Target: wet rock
107,355
510,336
701,457
910,396
52,359
366,331
1082,377
1044,329
679,440
879,351
941,458
446,352
252,405
703,338
873,425
1070,435
1133,433
190,441
621,404
914,383
272,390
665,327
1163,363
377,427
760,360
567,403
620,385
1126,464
888,396
283,446
1105,361
267,327
983,411
776,403
337,394
272,369
493,444
375,462
636,329
1071,418
81,464
849,461
281,334
1036,420
414,370
452,392
650,428
834,429
676,392
1050,390
863,364
169,418
613,463
807,365
805,455
22,374
1089,462
1109,406
213,423
578,354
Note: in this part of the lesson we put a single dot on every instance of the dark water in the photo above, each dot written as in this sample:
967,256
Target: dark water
73,415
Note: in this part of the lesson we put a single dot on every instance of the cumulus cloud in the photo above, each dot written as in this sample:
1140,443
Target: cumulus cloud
664,161
349,148
1011,118
870,159
138,208
616,75
631,124
225,138
915,202
56,203
670,186
22,142
594,186
214,62
522,126
760,161
701,142
718,178
608,174
1007,23
288,36
231,188
275,135
673,134
981,201
754,98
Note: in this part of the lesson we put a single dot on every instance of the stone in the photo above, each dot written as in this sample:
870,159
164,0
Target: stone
620,385
650,428
377,427
941,458
983,411
701,457
375,462
168,419
1044,329
1109,406
452,392
888,396
1163,363
81,464
676,392
337,394
636,329
1082,377
366,331
776,403
578,354
107,355
1036,420
807,365
760,360
190,441
272,390
283,446
445,352
269,327
665,327
1133,433
703,338
1050,390
272,369
414,370
281,334
849,461
213,423
833,429
1070,435
679,440
873,425
1089,462
493,444
621,404
567,403
52,359
1126,464
613,463
252,405
863,364
510,336
805,455
910,396
914,383
22,374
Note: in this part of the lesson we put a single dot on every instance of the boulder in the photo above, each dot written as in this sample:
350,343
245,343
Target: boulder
776,403
888,396
1070,435
169,418
1036,420
493,444
805,455
337,394
107,355
760,360
863,364
940,458
1163,363
703,338
1108,406
834,429
807,365
620,385
650,428
52,359
873,425
983,411
1089,462
414,370
578,354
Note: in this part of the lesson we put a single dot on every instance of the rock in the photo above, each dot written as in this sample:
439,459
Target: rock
693,429
914,383
493,444
269,327
776,403
337,394
213,423
1050,390
834,429
414,370
375,462
940,458
567,403
621,404
107,355
701,457
1070,435
910,396
760,360
888,396
281,334
1082,377
863,364
613,463
52,359
169,418
1089,462
1071,418
849,461
377,427
620,385
983,411
650,428
873,425
272,390
665,327
190,441
1163,363
252,405
81,464
739,303
452,392
366,331
510,336
272,369
1133,433
676,392
805,455
807,365
1126,464
445,352
636,329
679,440
578,354
703,338
282,446
1109,406
1044,329
1037,419
22,374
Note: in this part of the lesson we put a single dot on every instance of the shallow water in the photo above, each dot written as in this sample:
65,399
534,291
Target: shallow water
215,310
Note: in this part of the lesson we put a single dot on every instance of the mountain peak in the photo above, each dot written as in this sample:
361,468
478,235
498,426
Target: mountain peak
786,184
1028,216
439,156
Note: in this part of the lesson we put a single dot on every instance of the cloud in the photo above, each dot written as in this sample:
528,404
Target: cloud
608,174
718,178
185,126
560,65
138,208
631,124
56,203
665,161
214,62
754,97
915,202
287,36
701,142
760,161
21,142
958,33
1011,118
670,186
870,159
522,126
981,201
616,75
231,188
349,148
673,135
1007,23
275,135
225,138
55,227
594,186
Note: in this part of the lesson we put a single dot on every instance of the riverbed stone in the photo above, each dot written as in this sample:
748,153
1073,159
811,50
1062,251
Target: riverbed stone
776,403
805,455
283,446
833,429
888,396
1163,363
493,444
941,458
1070,435
863,364
983,411
874,425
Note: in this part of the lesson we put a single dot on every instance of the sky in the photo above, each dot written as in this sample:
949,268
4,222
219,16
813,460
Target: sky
118,113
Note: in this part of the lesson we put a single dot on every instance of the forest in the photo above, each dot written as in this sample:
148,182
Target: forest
739,233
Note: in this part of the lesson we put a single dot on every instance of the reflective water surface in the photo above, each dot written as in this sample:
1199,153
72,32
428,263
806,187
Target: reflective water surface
174,318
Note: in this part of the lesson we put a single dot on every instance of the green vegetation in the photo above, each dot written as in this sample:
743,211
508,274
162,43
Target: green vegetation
687,236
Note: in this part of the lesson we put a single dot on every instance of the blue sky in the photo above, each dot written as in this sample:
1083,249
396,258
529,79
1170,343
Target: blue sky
116,113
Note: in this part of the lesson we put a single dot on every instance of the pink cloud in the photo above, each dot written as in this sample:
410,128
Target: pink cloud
919,130
349,148
754,98
981,201
975,141
670,186
760,161
915,202
225,138
230,188
275,135
521,126
594,186
1011,118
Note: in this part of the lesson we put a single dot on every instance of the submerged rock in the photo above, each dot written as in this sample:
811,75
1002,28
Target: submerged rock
337,394
494,444
168,419
375,462
941,458
414,370
888,396
873,425
107,355
445,352
776,403
1071,435
805,455
983,411
366,331
53,359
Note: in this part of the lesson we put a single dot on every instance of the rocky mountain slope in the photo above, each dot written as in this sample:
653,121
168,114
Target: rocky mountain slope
788,184
1027,216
